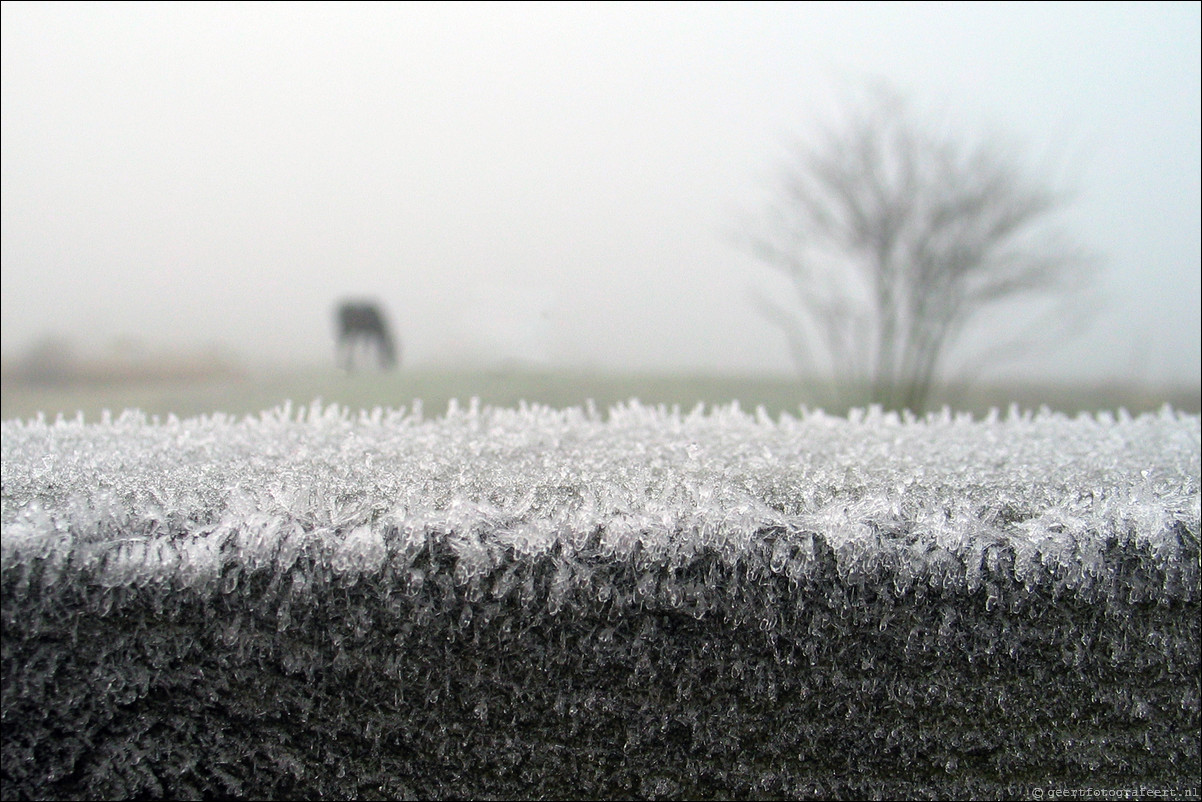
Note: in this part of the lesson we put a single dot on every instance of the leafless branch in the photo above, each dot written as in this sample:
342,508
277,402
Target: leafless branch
894,238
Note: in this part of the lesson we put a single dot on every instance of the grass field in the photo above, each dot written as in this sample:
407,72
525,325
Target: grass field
257,391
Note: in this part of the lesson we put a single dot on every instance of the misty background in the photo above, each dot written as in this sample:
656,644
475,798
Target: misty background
557,187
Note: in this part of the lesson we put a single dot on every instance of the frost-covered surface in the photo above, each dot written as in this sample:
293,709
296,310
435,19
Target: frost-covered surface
530,602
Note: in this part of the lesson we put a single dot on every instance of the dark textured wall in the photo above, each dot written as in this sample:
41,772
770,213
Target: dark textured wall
709,683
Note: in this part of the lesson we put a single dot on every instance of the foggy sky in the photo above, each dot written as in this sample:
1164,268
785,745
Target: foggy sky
555,185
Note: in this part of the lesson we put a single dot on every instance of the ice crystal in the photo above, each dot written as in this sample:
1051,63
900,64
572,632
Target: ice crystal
647,603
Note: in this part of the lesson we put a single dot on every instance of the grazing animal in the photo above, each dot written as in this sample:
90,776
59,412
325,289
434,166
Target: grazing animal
361,327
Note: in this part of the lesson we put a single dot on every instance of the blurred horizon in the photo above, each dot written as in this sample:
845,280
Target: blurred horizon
558,188
187,384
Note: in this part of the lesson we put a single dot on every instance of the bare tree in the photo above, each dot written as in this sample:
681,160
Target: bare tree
895,235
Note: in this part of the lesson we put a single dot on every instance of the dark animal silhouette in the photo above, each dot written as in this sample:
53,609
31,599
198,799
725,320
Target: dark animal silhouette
361,327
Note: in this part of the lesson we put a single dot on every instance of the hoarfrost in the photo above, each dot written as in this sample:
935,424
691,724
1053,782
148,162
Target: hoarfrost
514,602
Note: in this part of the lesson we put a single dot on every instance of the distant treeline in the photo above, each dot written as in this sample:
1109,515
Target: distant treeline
56,362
